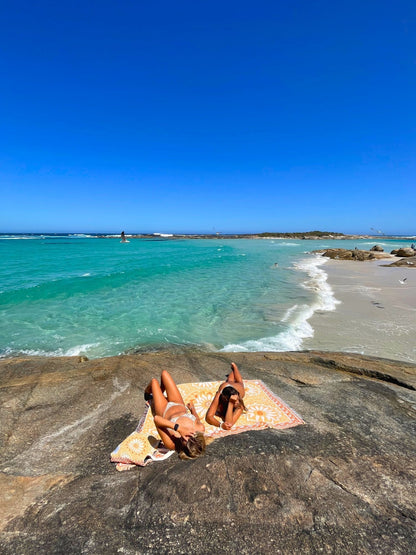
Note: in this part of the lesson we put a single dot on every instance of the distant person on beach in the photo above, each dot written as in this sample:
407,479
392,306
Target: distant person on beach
228,402
178,425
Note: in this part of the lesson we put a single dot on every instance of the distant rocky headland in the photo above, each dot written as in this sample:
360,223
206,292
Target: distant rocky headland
303,235
345,482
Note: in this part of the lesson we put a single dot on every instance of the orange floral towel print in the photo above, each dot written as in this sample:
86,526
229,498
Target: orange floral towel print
264,410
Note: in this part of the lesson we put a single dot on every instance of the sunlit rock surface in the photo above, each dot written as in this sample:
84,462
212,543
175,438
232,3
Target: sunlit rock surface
342,483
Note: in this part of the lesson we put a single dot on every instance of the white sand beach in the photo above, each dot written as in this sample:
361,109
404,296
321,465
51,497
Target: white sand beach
376,315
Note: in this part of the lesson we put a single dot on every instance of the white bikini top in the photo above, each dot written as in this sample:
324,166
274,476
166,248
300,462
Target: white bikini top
175,418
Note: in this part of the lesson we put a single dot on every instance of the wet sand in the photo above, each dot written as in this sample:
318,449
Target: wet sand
376,316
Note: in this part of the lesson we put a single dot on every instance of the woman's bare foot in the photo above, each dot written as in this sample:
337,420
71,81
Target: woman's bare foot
230,377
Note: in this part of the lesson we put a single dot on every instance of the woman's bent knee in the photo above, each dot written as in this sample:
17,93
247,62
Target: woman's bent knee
165,375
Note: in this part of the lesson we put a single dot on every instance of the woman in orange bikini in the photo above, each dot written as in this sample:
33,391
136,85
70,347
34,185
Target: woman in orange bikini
228,402
178,425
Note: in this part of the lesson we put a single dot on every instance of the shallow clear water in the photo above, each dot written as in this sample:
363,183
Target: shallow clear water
81,295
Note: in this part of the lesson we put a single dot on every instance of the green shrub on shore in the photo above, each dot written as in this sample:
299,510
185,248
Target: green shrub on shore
299,235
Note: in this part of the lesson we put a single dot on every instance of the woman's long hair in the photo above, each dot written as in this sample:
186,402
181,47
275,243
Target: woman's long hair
193,448
224,399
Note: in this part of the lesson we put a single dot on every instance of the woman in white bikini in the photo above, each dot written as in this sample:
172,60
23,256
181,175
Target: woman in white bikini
178,425
228,402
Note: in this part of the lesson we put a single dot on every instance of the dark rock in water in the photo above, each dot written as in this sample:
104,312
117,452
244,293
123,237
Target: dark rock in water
342,483
377,248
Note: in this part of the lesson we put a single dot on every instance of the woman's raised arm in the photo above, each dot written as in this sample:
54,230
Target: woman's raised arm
232,414
210,416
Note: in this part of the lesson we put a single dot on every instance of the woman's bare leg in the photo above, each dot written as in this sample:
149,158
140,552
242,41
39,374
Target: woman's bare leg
172,391
234,378
234,375
158,406
159,400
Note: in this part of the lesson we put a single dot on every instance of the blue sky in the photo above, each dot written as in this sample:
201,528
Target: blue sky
207,116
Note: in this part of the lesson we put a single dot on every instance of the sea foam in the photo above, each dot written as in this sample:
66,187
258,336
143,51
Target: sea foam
71,352
287,244
297,317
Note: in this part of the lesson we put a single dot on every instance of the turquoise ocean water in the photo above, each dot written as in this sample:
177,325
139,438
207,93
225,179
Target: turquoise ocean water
70,295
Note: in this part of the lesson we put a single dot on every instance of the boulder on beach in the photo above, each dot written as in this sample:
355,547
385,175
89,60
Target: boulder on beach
404,252
355,254
344,482
377,248
409,262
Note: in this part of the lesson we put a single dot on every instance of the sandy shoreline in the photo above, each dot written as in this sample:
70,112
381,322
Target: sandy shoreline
376,315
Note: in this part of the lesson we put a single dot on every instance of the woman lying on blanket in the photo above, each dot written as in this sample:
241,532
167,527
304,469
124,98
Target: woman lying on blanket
179,428
228,401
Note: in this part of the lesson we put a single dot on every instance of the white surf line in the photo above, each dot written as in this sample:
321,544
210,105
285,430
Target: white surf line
297,316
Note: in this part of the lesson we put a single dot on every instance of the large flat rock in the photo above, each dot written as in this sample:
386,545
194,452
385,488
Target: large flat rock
342,483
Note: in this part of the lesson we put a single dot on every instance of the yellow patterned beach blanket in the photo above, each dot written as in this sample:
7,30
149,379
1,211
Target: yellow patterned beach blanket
264,410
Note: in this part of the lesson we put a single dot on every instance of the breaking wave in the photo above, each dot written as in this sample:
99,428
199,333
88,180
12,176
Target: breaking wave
297,317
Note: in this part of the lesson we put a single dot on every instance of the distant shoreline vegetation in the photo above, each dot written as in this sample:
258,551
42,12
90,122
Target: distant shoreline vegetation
264,235
301,235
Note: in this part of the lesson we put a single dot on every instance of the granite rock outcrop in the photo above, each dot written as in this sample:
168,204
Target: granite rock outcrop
345,482
353,254
409,262
404,252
